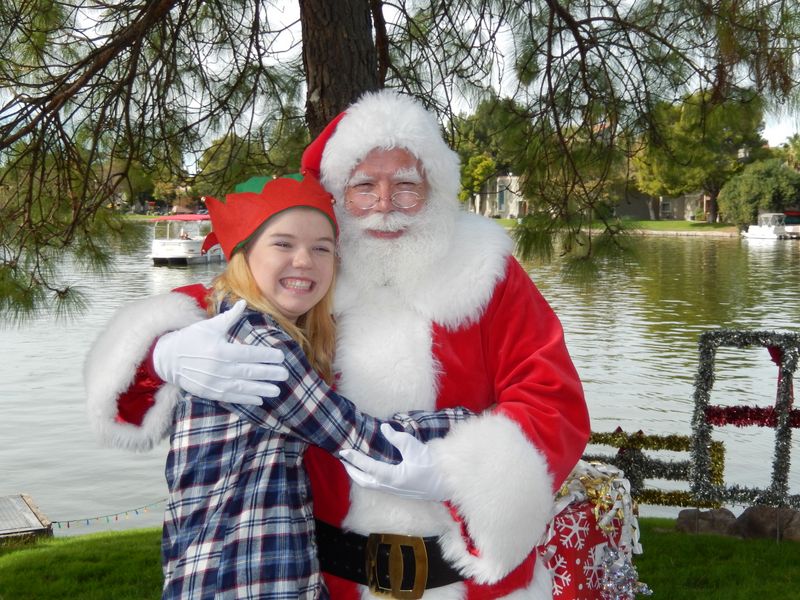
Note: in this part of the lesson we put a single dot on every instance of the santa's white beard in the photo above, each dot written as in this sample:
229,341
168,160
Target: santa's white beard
400,262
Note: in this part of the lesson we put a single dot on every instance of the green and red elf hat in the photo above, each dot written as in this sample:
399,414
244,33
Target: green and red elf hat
241,214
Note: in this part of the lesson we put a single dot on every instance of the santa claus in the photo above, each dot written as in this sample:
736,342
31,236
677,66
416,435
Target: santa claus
432,312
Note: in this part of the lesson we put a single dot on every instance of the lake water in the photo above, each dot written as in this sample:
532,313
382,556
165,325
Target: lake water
632,333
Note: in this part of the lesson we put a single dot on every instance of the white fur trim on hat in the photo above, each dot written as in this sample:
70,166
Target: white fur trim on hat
114,358
502,490
388,119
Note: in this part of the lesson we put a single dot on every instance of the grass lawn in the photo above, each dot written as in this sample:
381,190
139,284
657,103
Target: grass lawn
677,566
699,226
103,566
680,566
139,218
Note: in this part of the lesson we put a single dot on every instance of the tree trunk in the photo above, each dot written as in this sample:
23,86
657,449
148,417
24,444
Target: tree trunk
339,57
654,206
712,206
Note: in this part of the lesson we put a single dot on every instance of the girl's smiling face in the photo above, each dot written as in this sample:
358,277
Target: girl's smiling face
292,260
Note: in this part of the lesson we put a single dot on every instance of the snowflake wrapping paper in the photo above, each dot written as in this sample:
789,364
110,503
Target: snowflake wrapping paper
591,539
577,564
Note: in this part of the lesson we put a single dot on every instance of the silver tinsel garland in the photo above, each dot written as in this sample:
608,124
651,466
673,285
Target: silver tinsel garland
620,579
703,488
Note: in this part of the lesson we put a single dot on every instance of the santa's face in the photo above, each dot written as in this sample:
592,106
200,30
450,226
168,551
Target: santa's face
386,241
385,191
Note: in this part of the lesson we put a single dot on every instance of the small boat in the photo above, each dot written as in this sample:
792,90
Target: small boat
771,226
185,240
792,223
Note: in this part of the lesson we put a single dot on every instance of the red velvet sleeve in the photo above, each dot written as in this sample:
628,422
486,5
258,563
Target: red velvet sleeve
535,380
133,403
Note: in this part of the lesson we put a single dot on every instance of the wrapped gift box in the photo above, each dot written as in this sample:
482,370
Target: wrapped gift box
591,540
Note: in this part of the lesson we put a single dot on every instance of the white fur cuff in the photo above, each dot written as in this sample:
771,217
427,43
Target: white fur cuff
502,491
114,358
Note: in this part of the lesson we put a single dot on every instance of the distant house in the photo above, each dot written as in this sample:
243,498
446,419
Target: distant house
500,198
641,206
181,209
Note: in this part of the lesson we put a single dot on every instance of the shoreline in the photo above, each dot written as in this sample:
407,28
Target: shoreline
720,233
686,233
633,228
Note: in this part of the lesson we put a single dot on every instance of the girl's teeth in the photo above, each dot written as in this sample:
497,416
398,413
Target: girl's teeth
297,285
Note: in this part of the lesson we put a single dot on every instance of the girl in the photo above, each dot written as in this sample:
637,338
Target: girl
239,521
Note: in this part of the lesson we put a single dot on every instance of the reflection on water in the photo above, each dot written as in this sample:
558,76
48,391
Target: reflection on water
48,450
632,333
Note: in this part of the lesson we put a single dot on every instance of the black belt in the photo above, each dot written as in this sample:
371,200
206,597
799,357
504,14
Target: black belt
399,566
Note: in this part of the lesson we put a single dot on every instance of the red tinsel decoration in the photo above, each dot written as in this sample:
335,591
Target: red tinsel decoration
744,416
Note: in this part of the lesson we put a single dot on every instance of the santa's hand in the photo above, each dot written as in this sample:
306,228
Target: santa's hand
200,360
417,477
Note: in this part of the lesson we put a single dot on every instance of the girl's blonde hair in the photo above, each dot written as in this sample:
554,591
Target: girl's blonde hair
315,331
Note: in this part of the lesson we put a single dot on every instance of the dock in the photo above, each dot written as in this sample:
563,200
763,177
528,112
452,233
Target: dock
20,517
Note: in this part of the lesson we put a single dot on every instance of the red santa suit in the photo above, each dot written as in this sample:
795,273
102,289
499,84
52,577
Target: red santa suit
459,323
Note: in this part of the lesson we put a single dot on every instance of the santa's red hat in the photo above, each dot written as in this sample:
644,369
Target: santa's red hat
240,215
312,155
386,119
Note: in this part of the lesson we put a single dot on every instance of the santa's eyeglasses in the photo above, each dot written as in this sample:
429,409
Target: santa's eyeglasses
367,200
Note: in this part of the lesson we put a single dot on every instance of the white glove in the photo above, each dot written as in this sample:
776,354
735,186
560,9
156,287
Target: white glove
418,477
200,360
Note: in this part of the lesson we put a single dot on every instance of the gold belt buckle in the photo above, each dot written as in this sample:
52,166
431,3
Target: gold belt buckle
396,567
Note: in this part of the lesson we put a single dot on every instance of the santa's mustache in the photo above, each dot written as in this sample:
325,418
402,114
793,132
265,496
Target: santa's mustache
393,221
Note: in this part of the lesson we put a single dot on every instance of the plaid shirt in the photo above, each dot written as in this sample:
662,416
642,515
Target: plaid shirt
239,522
